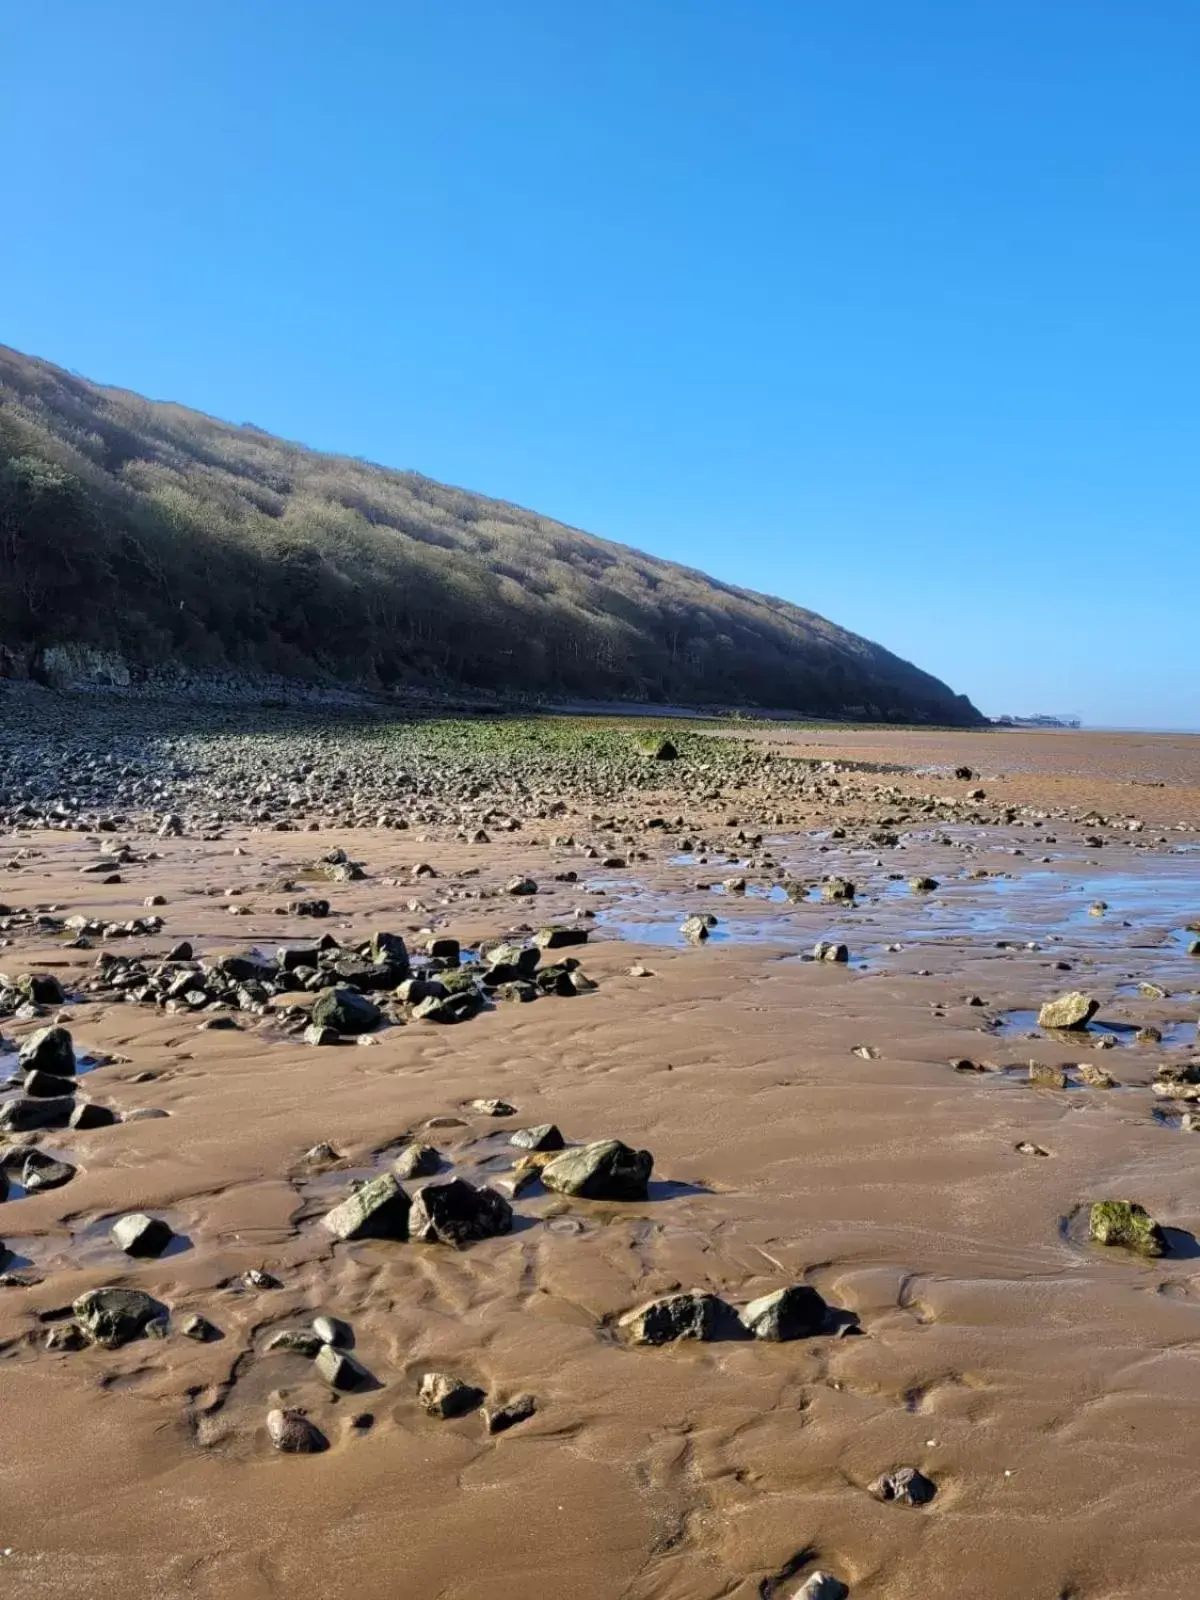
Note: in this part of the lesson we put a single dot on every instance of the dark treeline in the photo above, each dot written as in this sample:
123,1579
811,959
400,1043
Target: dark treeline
164,535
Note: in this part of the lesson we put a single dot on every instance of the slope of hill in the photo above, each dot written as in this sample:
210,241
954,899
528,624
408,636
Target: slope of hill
161,535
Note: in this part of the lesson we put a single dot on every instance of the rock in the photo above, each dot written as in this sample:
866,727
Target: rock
298,1341
828,950
332,1330
180,952
460,1007
922,885
45,1086
87,1114
1074,1010
458,1213
545,1136
837,889
665,750
964,773
443,1396
695,928
1128,1225
444,949
417,1161
375,1210
492,1108
1095,1077
48,1050
113,1317
44,1172
520,886
171,827
1028,1148
821,1586
141,1235
345,1010
41,988
905,1485
318,1034
693,1315
796,1312
292,1433
67,1336
604,1170
24,1113
201,1329
498,1419
559,938
1047,1077
340,1371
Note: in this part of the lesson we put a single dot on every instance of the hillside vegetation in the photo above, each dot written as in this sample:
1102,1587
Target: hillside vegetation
164,536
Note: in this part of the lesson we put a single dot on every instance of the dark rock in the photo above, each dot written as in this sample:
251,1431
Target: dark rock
498,1419
796,1312
375,1210
905,1485
694,1315
45,1086
87,1114
332,1330
292,1433
417,1161
41,988
559,938
452,1008
113,1317
24,1113
345,1010
340,1370
520,886
545,1136
44,1172
141,1235
201,1329
48,1050
604,1170
444,1396
457,1213
299,1341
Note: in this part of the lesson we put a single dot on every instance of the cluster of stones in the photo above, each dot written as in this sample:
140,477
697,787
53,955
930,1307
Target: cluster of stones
47,1093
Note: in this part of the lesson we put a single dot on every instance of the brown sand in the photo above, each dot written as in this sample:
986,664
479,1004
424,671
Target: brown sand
1049,1388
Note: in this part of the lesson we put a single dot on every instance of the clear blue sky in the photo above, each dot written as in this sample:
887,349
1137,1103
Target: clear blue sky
889,308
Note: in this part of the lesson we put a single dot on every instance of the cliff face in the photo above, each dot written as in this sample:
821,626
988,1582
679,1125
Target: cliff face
138,538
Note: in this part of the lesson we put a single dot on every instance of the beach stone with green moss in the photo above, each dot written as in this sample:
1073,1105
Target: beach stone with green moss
1128,1225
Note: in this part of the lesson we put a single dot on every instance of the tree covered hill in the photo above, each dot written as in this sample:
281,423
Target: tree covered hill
141,528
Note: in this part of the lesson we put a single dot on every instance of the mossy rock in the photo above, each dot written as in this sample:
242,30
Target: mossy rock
1126,1224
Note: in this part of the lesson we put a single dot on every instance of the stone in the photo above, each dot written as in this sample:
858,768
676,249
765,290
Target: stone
829,950
297,1341
545,1136
1095,1077
450,1008
293,1434
1128,1225
692,1315
1043,1076
603,1170
905,1485
821,1586
44,1172
390,949
458,1213
41,988
87,1114
114,1317
45,1086
318,1034
922,885
24,1113
417,1161
559,938
141,1235
1074,1010
444,1396
796,1312
837,889
499,1419
378,1209
332,1330
444,949
520,886
48,1050
201,1329
340,1370
67,1336
492,1108
345,1010
695,928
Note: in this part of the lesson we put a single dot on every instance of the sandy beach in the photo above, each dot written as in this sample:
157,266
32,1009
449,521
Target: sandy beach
867,1127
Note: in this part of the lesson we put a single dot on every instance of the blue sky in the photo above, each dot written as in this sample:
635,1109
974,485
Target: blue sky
891,309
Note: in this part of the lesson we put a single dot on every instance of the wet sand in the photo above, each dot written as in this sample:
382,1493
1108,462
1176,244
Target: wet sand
1048,1387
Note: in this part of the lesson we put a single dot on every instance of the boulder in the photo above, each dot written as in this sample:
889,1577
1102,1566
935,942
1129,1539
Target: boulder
24,1113
693,1315
48,1050
113,1317
444,1396
340,1370
458,1213
450,1008
141,1235
345,1010
604,1170
830,950
378,1209
520,886
796,1312
389,949
545,1136
87,1114
559,938
46,1086
44,1172
293,1434
695,928
1074,1010
41,988
417,1161
1127,1224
